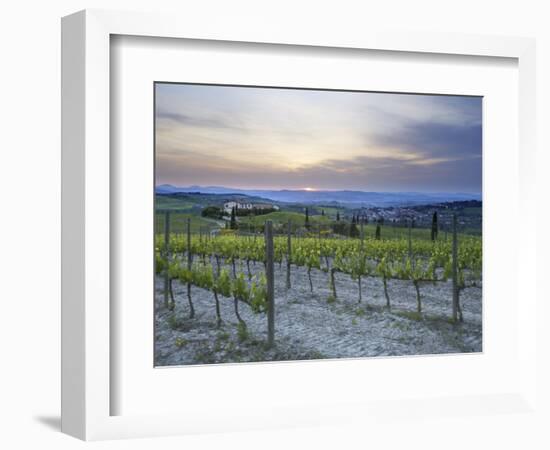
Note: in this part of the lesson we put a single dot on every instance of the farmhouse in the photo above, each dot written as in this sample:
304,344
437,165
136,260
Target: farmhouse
228,206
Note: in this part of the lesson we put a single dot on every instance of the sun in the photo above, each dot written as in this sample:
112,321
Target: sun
309,189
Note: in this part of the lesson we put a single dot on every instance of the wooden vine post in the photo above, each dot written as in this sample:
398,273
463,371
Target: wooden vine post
189,265
166,258
270,283
362,237
455,271
410,240
288,253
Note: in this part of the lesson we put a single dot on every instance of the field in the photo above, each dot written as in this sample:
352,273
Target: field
174,203
332,297
282,217
310,327
178,223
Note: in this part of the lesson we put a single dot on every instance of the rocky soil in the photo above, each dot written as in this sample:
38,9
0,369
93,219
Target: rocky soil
310,325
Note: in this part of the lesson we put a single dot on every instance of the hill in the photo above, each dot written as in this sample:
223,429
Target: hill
349,198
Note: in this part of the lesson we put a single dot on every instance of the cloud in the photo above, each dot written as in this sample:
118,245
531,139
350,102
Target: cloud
395,173
258,137
196,121
433,140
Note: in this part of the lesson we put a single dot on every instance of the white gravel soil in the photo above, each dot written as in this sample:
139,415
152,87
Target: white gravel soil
307,326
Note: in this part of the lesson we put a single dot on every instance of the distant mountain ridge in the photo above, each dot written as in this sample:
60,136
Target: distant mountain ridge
349,197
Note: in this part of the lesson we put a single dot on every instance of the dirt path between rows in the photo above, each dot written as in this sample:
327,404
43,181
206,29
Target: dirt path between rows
307,326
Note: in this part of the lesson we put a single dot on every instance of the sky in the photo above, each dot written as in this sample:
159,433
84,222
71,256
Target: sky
262,138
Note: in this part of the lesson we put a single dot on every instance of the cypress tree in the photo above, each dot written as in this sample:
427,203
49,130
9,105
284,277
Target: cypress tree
337,216
233,222
354,231
434,226
377,233
307,219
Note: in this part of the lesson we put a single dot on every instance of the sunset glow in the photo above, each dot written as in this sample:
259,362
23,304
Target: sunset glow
284,138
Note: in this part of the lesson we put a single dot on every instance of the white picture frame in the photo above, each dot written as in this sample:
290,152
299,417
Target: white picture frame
86,239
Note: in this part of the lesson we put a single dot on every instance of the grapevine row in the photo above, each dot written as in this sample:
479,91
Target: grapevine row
390,259
252,292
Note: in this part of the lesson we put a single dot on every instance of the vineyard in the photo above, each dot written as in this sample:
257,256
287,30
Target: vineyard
253,286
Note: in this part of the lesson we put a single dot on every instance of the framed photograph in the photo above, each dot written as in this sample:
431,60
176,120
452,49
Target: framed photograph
264,230
375,250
